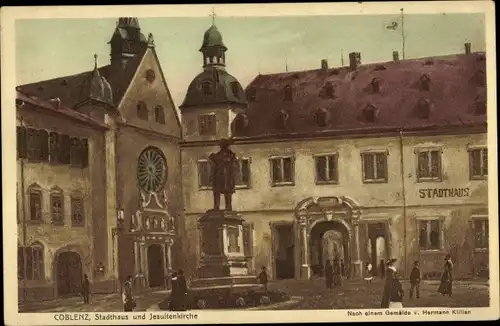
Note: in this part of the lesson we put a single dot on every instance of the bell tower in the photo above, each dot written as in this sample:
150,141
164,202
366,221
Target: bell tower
127,42
213,48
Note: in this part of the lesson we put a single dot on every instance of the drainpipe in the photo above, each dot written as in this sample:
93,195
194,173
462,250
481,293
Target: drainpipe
403,191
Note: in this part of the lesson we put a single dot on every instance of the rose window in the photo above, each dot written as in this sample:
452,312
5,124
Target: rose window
151,170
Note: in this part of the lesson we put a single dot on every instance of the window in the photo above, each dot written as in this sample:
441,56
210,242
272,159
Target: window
326,168
375,85
235,89
248,239
142,110
425,83
75,152
282,171
30,262
150,75
322,117
205,174
329,90
252,94
159,114
206,87
35,202
478,163
233,237
240,122
57,206
481,233
288,90
77,213
281,118
242,173
206,124
374,167
369,113
423,109
429,165
21,142
430,234
33,144
55,147
65,156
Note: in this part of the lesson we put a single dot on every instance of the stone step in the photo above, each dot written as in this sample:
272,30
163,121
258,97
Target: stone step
225,281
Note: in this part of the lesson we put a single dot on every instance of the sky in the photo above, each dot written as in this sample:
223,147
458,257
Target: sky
49,48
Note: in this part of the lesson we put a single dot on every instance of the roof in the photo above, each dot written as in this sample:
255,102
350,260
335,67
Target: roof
70,88
224,89
212,37
62,110
456,86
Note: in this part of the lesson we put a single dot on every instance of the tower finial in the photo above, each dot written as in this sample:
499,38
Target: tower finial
213,15
95,60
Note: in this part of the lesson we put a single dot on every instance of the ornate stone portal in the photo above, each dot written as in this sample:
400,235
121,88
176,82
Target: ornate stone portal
313,211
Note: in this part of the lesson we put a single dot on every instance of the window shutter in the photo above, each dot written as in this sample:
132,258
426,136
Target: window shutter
84,148
43,138
21,142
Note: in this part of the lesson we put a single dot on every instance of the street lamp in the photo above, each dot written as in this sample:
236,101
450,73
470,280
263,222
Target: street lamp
120,218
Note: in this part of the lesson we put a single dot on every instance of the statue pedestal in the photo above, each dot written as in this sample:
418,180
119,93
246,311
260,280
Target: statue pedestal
223,261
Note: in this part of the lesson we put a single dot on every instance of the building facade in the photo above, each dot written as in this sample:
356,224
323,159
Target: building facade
117,211
360,163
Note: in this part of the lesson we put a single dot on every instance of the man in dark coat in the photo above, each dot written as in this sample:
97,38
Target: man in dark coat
329,274
389,275
415,280
223,174
262,277
337,279
86,289
178,296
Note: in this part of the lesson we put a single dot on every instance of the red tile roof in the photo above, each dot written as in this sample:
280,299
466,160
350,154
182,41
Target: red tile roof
68,112
456,84
69,88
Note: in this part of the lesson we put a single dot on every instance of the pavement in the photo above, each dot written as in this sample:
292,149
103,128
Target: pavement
309,294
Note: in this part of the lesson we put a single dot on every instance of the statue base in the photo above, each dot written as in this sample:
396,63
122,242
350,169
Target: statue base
223,261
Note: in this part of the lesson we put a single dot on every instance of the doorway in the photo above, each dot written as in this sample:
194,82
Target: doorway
285,251
377,246
156,271
69,274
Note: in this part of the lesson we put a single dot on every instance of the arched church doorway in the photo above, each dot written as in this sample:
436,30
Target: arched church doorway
69,273
156,271
328,240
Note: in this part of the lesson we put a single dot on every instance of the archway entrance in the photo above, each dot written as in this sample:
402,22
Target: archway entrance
69,274
378,248
156,271
329,240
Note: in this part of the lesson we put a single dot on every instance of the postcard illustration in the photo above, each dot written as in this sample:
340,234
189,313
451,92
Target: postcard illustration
170,167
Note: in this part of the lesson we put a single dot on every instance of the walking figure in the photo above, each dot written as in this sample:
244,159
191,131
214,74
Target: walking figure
369,273
128,300
262,277
446,279
178,296
86,289
415,280
389,276
329,274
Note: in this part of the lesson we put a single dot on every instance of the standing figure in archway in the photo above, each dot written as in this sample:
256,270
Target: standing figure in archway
329,274
223,175
337,278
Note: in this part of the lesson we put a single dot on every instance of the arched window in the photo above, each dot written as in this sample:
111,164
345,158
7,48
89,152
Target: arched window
235,89
75,151
423,109
35,203
159,114
142,110
329,90
425,82
321,117
281,119
288,90
57,205
370,113
77,210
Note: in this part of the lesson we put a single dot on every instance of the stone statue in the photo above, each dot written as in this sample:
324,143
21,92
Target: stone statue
223,174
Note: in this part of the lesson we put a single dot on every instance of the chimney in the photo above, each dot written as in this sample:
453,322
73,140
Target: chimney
354,60
56,102
324,65
395,56
467,48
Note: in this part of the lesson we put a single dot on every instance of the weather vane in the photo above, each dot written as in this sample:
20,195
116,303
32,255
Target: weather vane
213,15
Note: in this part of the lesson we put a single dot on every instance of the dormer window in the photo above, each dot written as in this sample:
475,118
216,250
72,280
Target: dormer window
321,117
252,94
425,83
235,88
206,87
375,85
370,113
329,90
288,93
281,119
240,122
423,109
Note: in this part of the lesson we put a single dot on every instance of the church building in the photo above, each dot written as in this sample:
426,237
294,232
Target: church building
99,186
360,163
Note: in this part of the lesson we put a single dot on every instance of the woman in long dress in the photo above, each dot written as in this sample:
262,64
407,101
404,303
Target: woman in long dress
389,275
445,287
396,294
